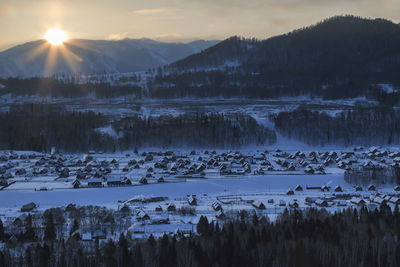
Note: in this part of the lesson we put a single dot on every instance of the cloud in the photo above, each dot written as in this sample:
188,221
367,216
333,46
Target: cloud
117,36
153,11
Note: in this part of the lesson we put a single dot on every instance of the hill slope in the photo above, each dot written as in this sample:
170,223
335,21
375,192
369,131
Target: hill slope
341,55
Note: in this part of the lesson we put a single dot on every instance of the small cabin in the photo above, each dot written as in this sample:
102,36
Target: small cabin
192,200
95,182
358,201
258,205
216,205
87,237
143,180
325,188
395,200
290,192
309,170
371,187
378,200
115,182
358,188
310,200
98,234
159,208
141,215
171,207
125,209
28,207
293,204
298,188
338,188
321,203
313,187
76,183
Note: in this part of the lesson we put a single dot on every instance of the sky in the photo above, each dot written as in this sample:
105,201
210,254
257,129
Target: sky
175,20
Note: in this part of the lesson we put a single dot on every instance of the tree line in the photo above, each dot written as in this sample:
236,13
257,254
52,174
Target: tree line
192,130
360,126
40,127
55,88
312,237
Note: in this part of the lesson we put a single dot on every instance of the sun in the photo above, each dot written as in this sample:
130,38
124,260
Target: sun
56,36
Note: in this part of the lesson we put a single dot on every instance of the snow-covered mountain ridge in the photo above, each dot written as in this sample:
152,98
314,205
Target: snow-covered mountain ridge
39,58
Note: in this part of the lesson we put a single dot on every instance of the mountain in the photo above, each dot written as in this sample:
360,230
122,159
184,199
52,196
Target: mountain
39,58
341,39
342,55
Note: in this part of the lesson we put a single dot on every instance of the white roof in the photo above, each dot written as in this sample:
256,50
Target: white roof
114,179
257,203
356,200
95,180
87,236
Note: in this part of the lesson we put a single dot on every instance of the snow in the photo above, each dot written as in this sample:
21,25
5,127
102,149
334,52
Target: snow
273,184
108,131
387,88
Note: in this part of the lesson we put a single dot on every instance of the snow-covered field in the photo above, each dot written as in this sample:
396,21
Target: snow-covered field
206,189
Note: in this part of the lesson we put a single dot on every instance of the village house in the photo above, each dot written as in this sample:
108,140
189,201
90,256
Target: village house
298,188
325,188
293,204
192,200
28,207
216,205
99,234
338,188
358,201
115,181
358,188
142,216
76,183
258,204
372,188
159,208
321,203
87,237
171,207
290,192
395,200
143,180
95,182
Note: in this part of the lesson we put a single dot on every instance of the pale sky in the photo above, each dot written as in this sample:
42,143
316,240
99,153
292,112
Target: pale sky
175,20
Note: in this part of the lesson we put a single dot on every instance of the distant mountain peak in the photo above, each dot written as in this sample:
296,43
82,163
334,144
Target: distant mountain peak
83,56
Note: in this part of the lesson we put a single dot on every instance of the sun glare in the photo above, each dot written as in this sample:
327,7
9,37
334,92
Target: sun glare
56,36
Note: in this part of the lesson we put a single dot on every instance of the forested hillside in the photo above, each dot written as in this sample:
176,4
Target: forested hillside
339,57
